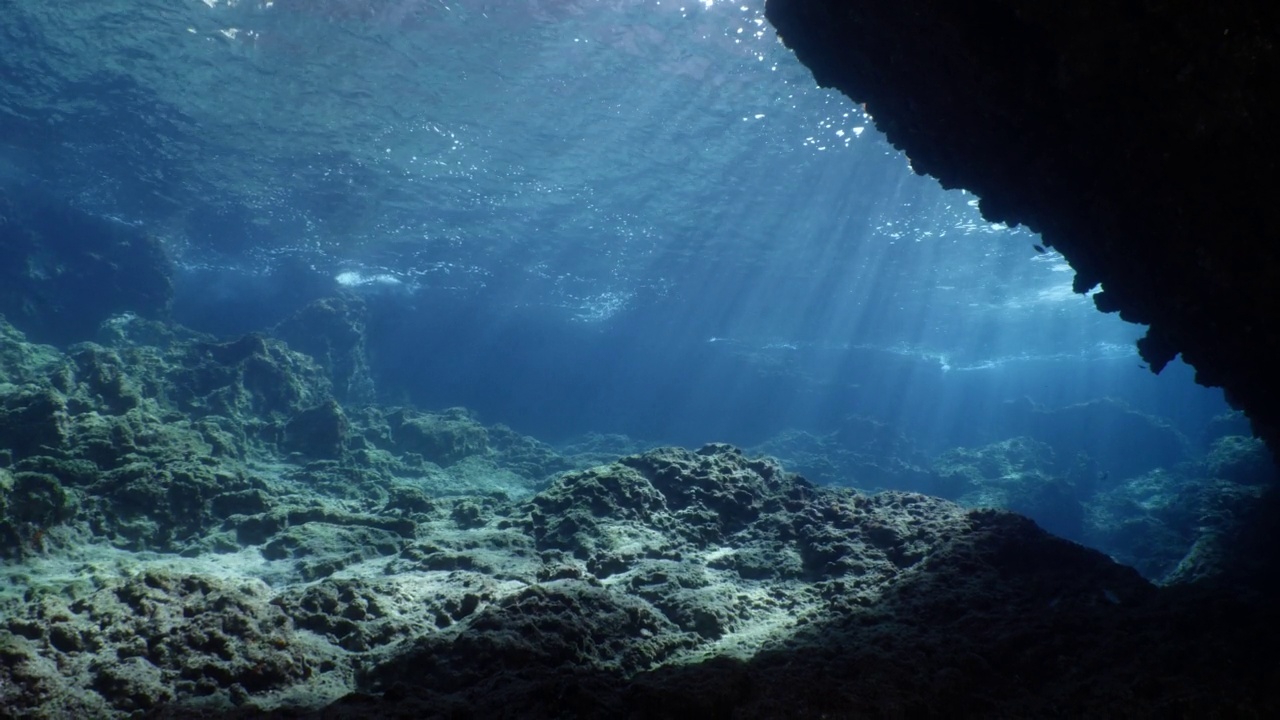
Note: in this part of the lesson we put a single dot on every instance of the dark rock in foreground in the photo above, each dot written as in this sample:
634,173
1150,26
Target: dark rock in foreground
672,583
192,528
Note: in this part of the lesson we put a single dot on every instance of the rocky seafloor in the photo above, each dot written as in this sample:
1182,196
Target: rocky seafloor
193,527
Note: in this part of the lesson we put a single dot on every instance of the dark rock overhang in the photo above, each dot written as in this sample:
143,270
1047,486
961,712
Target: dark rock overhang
1138,138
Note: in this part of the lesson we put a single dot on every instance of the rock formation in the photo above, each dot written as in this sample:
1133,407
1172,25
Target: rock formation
1137,138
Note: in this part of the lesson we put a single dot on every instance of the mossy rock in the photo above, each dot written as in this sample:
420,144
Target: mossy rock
31,418
1240,459
252,376
26,362
30,503
226,439
104,382
115,440
965,470
163,504
317,432
526,456
331,330
442,438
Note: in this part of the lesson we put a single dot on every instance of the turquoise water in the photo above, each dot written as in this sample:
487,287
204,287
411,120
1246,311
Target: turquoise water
344,343
577,218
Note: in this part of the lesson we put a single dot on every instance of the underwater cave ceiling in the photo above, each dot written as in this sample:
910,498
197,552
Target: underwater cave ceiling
1138,138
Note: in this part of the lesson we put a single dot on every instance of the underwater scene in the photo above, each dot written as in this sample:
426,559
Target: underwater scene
557,358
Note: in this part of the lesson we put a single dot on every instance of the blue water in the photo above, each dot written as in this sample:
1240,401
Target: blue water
569,216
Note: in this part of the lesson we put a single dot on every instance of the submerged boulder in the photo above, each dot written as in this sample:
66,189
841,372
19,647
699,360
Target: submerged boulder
442,438
332,331
1107,431
863,453
30,504
317,432
1240,459
31,418
1019,475
64,271
1174,525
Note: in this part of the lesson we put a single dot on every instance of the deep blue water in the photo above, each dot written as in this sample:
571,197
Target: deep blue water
569,216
